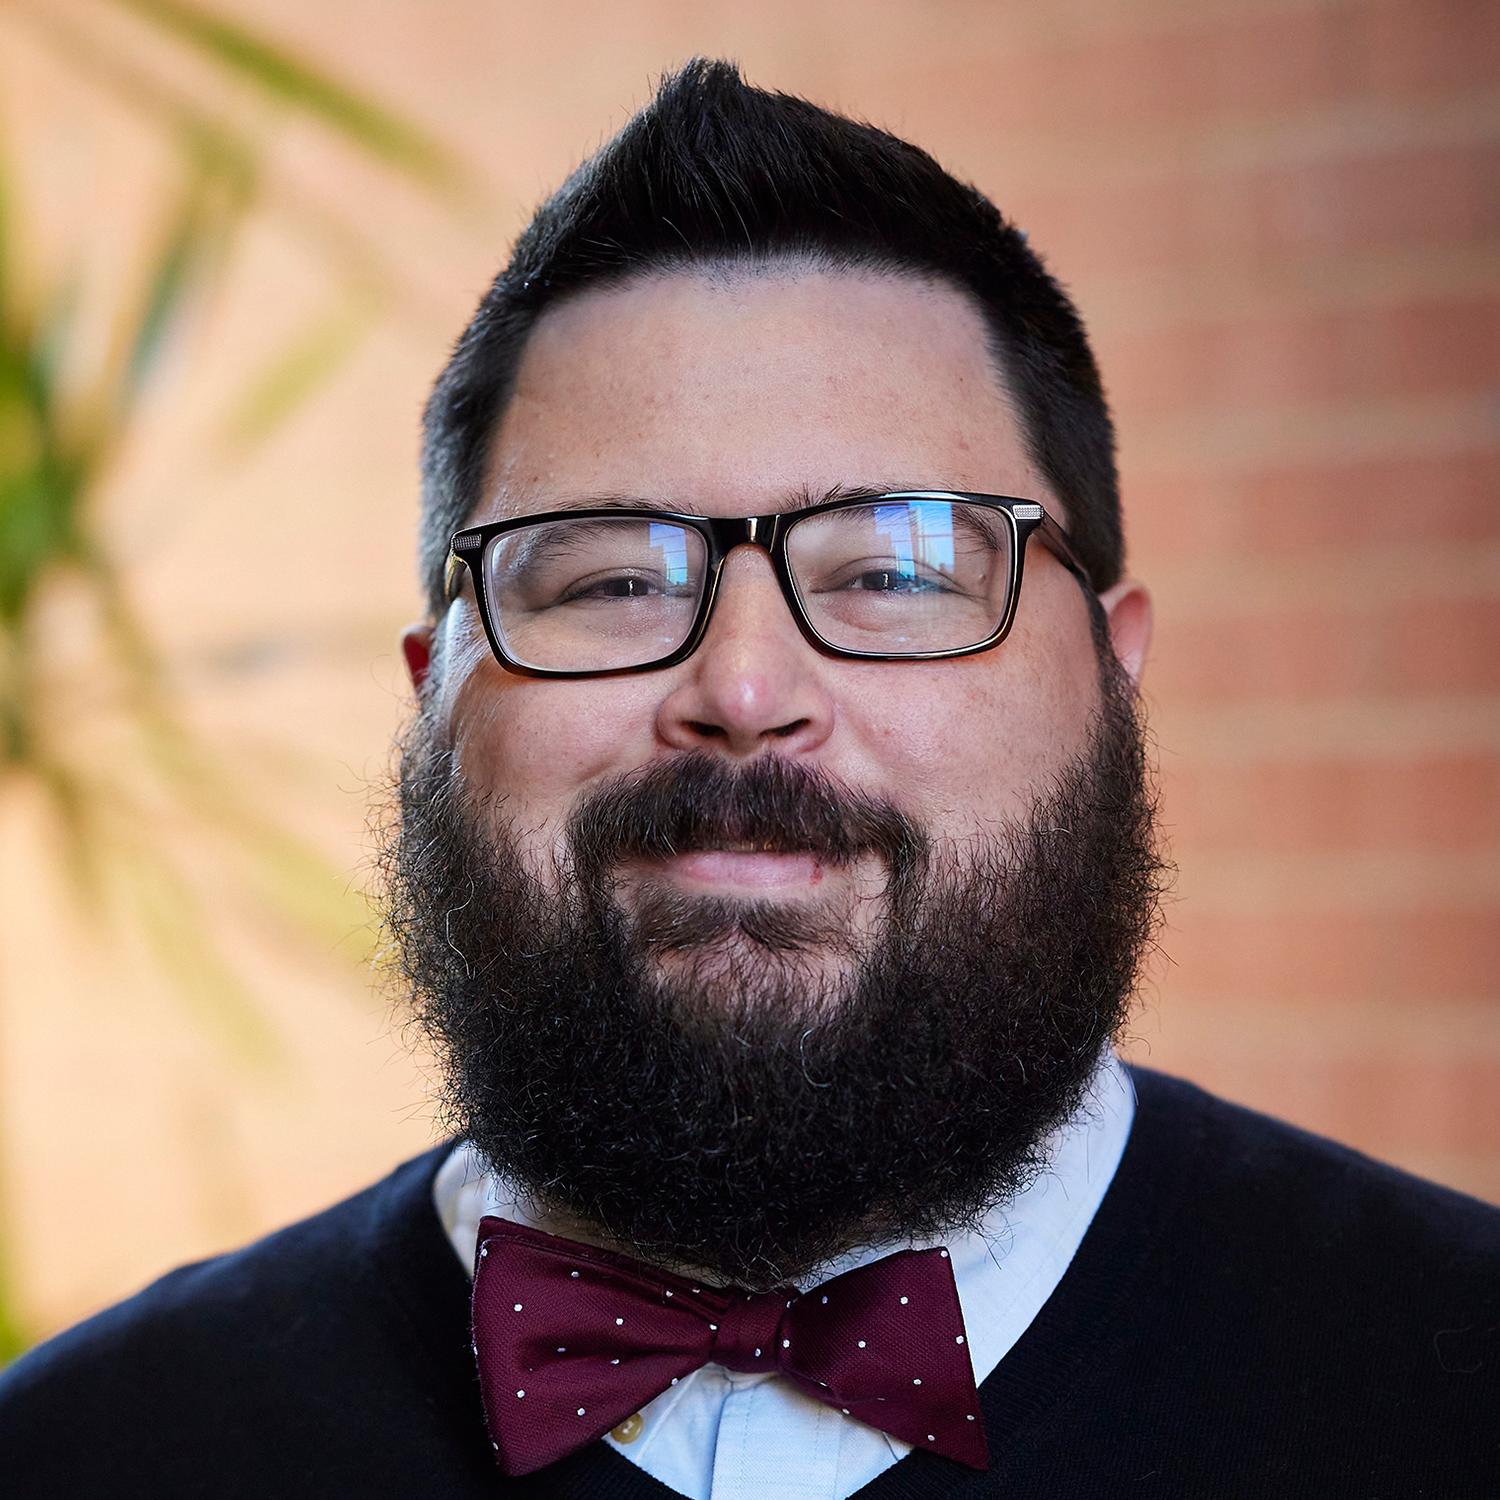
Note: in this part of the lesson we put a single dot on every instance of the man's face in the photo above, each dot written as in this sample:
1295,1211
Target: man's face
740,394
750,959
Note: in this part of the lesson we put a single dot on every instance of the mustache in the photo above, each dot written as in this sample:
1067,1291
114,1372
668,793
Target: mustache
698,801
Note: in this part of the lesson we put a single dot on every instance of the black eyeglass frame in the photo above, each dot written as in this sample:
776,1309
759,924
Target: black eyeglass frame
722,534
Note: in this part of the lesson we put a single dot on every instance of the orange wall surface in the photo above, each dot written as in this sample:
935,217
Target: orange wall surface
1281,220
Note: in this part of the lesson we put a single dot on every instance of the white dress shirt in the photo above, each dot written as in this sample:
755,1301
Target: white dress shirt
721,1435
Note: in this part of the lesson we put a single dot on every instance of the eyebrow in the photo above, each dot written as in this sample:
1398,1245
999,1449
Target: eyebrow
803,499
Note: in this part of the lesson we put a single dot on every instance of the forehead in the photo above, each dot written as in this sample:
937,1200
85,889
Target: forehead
739,392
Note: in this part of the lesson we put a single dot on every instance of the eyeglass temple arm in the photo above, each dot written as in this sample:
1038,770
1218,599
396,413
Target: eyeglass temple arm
1057,542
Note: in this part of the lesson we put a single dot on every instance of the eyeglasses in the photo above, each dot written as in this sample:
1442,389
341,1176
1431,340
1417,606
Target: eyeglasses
917,576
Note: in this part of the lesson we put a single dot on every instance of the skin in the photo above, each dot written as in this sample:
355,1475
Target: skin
740,393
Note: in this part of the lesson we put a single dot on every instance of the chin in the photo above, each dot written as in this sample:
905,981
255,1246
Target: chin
816,929
736,970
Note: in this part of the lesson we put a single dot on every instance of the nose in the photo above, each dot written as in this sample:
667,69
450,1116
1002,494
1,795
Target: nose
754,683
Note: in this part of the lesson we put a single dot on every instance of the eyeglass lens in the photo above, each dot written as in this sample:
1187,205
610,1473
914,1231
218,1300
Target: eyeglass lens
892,577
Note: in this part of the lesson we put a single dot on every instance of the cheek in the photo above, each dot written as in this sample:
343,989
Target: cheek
532,746
967,743
460,652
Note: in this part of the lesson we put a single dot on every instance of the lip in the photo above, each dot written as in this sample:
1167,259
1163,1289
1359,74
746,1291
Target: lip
724,871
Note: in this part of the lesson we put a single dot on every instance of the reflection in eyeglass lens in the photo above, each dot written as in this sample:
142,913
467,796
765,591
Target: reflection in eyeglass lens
595,593
891,576
916,575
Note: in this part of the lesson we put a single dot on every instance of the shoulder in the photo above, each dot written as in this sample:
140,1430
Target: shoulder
1305,1200
249,1360
1255,1310
1349,1308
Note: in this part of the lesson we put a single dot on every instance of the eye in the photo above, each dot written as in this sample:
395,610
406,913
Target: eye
884,580
616,588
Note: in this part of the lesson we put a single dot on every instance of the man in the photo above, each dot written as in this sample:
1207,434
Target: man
773,873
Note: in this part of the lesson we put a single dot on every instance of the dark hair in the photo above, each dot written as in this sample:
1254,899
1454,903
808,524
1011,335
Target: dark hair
713,170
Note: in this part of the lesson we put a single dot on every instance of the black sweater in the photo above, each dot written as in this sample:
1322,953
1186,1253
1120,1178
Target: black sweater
1254,1312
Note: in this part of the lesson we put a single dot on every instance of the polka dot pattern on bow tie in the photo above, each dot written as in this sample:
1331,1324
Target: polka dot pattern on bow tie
883,1344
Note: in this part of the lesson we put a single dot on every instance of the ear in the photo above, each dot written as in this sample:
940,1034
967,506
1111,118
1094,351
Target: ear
416,647
1128,608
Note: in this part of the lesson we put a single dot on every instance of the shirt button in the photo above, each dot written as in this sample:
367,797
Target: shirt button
629,1430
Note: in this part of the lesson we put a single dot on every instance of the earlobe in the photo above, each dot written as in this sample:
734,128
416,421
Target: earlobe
1128,608
416,647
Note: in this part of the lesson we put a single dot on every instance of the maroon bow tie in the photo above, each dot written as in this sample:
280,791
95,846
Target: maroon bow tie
572,1340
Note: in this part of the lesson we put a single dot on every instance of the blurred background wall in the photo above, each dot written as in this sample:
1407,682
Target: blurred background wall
1281,220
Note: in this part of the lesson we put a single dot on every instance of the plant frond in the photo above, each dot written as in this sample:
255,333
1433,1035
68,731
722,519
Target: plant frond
166,909
198,234
297,371
281,74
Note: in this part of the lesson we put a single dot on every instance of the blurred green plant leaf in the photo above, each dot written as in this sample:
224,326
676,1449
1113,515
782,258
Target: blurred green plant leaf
299,370
128,779
283,76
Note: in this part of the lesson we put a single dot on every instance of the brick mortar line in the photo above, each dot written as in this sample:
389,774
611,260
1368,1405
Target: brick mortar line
1254,885
1022,22
1230,438
1192,152
1226,294
1362,728
1448,1029
1229,586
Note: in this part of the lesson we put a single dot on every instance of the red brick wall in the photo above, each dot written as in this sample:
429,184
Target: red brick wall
1283,222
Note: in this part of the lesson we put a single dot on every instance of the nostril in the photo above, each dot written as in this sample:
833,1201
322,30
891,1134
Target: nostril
707,731
785,731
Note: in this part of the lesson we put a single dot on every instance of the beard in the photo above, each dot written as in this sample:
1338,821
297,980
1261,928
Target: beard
751,1088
